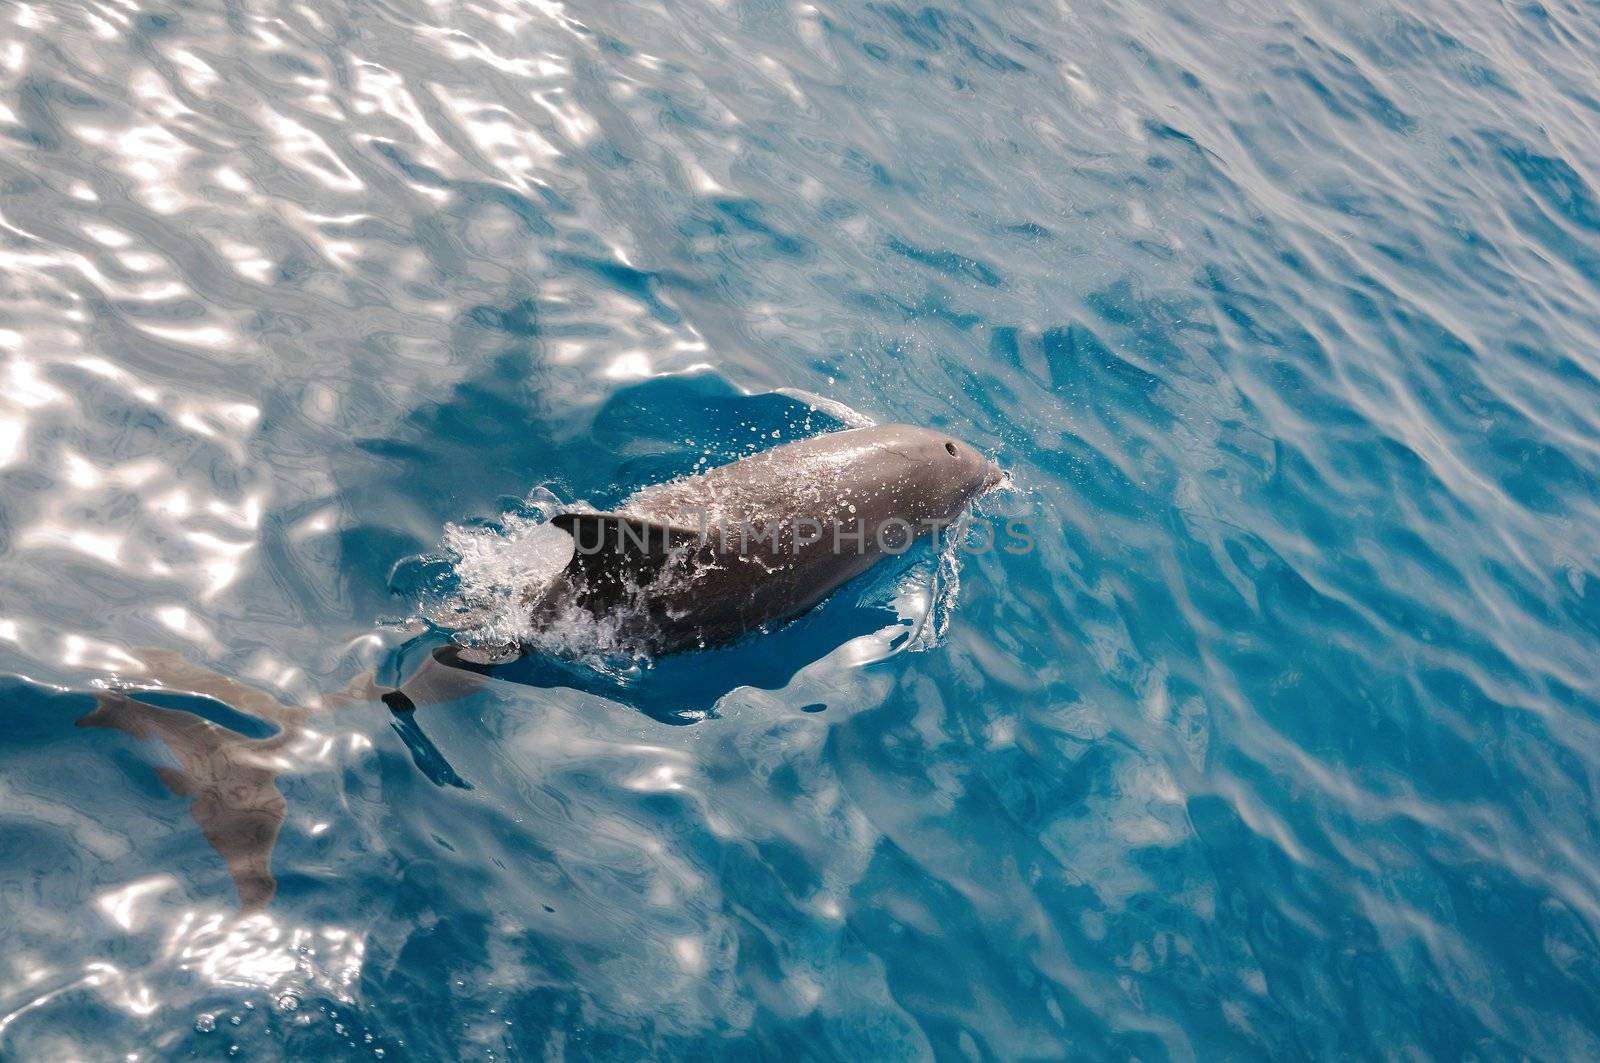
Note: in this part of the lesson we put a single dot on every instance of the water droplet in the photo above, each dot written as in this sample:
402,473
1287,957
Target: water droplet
377,1053
288,1002
205,1023
235,1019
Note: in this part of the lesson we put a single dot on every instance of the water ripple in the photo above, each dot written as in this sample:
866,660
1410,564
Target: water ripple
1283,318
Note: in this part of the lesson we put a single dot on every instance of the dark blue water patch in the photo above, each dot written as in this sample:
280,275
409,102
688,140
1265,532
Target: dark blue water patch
662,428
36,714
949,263
375,557
748,215
684,688
642,285
207,708
494,437
1552,179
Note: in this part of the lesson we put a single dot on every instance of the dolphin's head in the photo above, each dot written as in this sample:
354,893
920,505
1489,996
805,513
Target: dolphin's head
948,474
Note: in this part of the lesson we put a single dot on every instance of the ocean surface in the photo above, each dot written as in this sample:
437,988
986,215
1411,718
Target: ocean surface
1282,741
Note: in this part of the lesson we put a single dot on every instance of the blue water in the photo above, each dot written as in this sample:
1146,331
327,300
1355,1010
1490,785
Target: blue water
1285,320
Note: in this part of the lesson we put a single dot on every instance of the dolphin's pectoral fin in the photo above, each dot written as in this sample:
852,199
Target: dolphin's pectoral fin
613,550
426,755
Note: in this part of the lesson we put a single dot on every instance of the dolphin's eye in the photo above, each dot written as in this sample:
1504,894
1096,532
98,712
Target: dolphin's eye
951,447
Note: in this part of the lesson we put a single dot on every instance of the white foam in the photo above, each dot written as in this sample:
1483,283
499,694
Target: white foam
492,563
500,573
495,570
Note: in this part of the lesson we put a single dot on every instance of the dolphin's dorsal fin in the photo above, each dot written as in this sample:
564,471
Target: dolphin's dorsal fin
611,549
597,533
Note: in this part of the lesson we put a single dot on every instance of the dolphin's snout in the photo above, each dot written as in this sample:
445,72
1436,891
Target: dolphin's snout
975,472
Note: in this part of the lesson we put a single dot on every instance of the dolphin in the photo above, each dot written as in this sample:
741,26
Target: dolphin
691,562
709,557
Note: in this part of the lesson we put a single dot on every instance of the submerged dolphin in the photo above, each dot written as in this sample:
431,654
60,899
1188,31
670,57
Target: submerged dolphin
231,777
706,558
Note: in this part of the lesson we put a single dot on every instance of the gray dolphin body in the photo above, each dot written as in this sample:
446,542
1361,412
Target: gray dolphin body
706,558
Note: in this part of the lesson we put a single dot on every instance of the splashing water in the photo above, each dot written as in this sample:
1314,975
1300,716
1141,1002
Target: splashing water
495,574
493,571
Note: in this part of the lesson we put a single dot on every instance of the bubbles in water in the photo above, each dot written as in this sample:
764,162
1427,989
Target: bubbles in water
287,1002
206,1023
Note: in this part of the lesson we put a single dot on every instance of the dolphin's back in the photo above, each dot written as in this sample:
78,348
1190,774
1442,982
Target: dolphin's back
705,558
859,474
